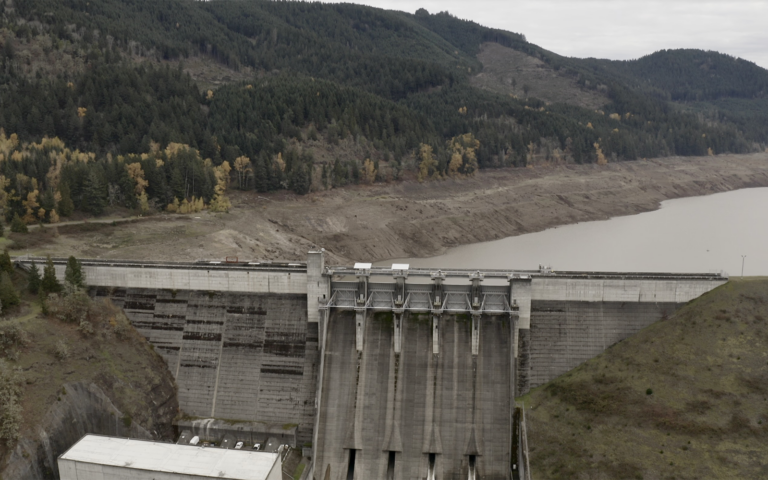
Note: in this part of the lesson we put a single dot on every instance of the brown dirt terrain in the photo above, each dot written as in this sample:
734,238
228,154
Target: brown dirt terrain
103,379
685,398
506,71
407,219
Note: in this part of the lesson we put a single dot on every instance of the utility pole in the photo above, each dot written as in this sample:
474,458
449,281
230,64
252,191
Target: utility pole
742,264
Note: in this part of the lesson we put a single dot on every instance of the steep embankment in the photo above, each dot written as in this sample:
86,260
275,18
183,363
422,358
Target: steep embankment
684,398
93,376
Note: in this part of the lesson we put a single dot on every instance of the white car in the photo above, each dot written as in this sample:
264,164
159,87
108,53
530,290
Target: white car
238,445
257,446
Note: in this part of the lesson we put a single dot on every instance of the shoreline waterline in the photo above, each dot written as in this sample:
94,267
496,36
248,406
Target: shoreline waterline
701,234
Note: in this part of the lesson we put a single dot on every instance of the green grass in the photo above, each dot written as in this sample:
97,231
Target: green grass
299,470
684,398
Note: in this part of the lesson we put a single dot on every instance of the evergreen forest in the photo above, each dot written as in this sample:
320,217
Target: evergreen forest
99,106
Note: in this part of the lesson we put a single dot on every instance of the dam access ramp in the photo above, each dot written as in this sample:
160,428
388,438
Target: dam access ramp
388,373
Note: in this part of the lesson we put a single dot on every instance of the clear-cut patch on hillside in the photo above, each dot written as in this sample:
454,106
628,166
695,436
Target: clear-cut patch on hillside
511,72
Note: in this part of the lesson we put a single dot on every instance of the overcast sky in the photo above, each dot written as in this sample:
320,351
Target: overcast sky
617,29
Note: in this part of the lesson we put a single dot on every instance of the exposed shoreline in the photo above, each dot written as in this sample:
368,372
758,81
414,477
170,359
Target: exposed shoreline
408,219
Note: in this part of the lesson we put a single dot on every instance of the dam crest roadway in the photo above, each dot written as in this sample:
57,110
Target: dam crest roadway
388,373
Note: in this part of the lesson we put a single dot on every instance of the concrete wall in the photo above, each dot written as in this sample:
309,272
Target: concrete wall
564,334
566,321
451,404
251,357
318,285
620,290
219,279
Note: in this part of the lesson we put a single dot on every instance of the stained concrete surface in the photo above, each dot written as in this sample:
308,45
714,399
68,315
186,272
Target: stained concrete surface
451,404
249,357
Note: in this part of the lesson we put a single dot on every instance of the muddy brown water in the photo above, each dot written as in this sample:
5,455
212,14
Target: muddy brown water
696,234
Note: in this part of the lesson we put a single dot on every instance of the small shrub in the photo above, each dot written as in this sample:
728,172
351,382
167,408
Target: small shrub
12,336
649,392
85,327
61,350
120,324
18,225
127,420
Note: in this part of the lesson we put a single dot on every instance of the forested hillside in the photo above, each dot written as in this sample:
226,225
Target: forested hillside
380,94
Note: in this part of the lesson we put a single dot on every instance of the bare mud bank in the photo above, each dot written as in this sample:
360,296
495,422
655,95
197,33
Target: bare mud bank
409,219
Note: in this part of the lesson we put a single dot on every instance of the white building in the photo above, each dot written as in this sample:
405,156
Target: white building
97,457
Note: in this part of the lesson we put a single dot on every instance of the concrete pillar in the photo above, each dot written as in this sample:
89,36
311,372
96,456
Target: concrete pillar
318,285
437,290
475,333
398,334
399,296
476,294
520,295
523,361
362,285
359,328
435,334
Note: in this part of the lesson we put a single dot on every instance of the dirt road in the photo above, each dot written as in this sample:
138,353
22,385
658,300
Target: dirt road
409,219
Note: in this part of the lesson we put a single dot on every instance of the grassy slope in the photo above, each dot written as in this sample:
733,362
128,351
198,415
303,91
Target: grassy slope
707,415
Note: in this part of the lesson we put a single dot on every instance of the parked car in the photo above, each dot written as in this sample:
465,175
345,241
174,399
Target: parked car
257,446
238,445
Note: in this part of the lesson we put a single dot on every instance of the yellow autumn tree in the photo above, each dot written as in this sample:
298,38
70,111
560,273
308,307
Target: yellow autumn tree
220,202
243,169
31,205
4,183
427,164
173,207
454,166
53,217
280,162
530,154
368,175
601,160
463,150
137,175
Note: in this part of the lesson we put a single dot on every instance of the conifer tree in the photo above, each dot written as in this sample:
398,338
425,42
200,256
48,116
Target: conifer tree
33,279
50,283
5,263
74,275
9,297
93,193
65,206
18,225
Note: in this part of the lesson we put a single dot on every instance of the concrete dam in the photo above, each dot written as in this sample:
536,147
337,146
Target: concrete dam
387,373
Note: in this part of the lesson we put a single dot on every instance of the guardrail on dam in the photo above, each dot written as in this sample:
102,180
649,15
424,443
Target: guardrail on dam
392,373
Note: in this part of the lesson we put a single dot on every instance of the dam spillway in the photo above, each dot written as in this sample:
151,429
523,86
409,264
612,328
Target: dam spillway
398,410
388,373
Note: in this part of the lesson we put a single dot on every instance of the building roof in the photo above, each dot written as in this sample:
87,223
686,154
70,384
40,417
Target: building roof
171,458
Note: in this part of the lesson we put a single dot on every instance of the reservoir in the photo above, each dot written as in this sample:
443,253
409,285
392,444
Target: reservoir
689,235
